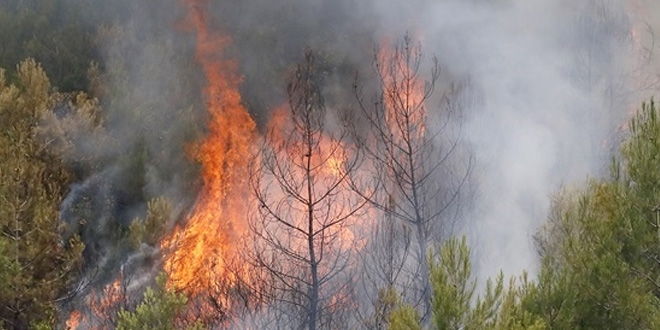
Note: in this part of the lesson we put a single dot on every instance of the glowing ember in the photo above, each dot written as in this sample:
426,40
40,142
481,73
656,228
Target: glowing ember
74,320
109,300
201,248
103,305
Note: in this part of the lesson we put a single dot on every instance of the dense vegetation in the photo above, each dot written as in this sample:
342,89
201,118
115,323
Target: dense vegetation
599,247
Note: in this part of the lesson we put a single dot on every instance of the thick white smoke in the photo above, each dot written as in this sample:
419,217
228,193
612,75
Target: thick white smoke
550,83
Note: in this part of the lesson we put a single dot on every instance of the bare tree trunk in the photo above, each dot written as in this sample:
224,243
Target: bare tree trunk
300,182
314,288
414,152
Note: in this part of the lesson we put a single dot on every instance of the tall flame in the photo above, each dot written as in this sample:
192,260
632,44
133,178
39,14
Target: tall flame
200,249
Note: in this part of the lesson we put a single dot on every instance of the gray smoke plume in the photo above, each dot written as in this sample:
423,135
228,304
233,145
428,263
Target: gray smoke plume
149,112
553,81
548,85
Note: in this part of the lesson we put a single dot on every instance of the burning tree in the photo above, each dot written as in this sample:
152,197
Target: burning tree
200,252
414,152
301,227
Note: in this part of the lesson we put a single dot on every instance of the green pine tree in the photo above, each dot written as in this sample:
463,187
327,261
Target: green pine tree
36,264
150,230
601,268
455,306
157,311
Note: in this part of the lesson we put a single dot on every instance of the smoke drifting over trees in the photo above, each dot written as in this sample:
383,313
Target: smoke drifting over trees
538,91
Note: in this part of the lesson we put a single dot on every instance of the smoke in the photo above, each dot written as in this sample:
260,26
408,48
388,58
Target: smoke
552,81
149,113
547,86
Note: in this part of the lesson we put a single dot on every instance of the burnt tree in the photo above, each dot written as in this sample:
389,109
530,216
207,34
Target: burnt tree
420,165
302,225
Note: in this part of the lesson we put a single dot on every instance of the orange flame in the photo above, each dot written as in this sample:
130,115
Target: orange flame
74,320
332,155
328,164
103,305
201,249
403,95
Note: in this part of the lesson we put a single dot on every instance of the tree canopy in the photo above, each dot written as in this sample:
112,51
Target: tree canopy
36,263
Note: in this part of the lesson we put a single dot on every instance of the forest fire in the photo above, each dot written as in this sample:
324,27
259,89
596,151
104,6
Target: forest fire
142,185
636,13
111,298
403,95
332,155
74,320
199,250
100,304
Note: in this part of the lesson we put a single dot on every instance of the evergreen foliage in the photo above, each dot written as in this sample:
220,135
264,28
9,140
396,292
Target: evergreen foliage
600,265
454,305
36,263
151,229
157,311
405,318
51,31
600,248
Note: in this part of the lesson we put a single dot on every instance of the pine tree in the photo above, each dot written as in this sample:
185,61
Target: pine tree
35,261
305,208
157,311
150,229
601,267
455,305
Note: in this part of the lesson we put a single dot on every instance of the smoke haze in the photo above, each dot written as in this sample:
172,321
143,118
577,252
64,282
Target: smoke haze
547,85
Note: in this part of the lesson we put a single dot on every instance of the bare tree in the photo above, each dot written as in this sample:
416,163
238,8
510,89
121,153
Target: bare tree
235,299
611,63
382,275
301,227
418,160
